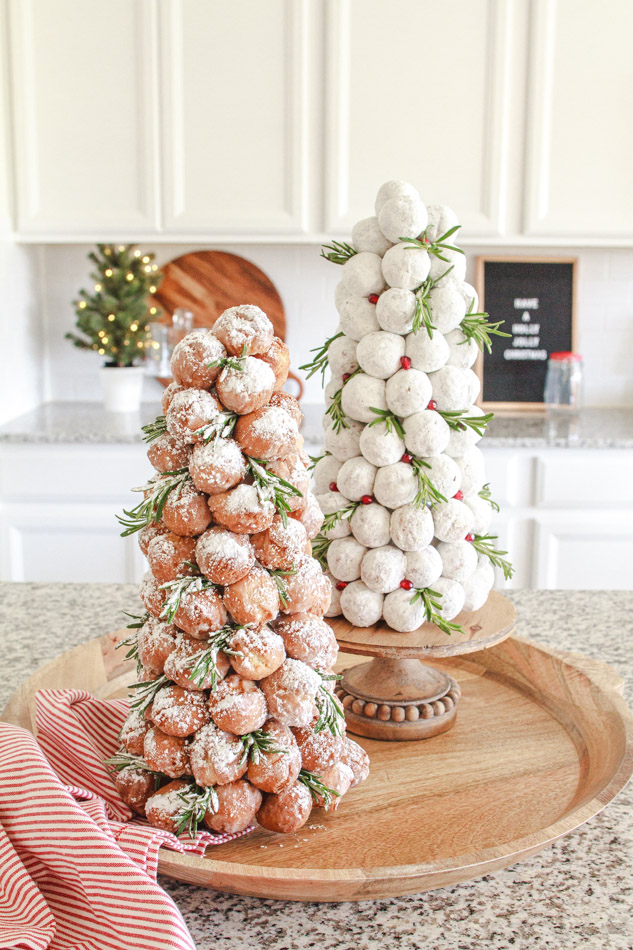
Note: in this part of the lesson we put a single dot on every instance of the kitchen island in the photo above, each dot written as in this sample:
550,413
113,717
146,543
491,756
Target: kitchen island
575,894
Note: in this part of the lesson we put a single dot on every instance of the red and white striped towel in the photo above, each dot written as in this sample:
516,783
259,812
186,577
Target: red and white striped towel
75,871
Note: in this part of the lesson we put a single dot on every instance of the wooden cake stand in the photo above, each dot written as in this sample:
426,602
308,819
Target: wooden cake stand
397,697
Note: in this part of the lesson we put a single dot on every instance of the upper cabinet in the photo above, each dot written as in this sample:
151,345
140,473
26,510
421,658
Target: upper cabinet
201,121
84,116
580,133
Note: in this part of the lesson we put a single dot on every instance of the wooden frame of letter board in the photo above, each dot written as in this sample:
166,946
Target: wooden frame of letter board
512,407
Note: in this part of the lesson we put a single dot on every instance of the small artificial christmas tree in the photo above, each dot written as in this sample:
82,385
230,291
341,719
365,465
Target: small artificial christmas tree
114,316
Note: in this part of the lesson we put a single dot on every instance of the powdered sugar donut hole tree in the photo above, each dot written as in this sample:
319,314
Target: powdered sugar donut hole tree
233,719
401,482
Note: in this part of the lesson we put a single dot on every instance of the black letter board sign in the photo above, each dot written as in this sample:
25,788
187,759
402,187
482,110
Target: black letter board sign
535,297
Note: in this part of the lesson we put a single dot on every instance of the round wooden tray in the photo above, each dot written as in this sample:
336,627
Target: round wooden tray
543,742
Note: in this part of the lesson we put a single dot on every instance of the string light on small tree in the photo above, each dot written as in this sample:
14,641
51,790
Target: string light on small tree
114,318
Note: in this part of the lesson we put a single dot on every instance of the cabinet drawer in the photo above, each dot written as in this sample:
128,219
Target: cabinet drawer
600,479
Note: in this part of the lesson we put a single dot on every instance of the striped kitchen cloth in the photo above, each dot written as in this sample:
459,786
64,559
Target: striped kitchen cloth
77,870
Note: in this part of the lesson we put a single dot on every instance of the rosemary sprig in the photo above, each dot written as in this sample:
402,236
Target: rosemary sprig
316,788
206,665
438,247
423,313
335,517
483,545
458,420
132,653
477,327
320,362
331,715
153,430
139,621
158,490
431,600
279,576
123,760
335,409
177,589
338,252
485,494
314,459
271,487
147,692
320,545
427,492
197,801
391,421
258,743
233,362
219,428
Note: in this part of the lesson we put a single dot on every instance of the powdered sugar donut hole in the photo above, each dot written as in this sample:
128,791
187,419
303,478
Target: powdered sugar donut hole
311,517
395,310
341,356
341,294
455,259
330,502
362,274
474,385
360,394
344,558
459,559
379,353
447,306
358,317
482,513
325,473
246,388
395,485
244,329
361,606
423,566
367,236
400,613
451,597
427,353
478,585
217,465
411,527
408,391
462,352
426,433
370,525
470,295
441,219
444,474
379,446
224,557
383,568
190,359
331,390
473,471
345,443
402,216
334,610
451,387
268,433
395,188
356,478
452,519
406,266
463,440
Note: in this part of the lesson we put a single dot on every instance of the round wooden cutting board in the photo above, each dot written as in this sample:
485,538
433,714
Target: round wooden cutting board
542,743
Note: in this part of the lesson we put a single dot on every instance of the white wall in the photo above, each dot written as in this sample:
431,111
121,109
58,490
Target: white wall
306,283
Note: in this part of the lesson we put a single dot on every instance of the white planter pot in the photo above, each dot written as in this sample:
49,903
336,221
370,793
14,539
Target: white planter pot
122,387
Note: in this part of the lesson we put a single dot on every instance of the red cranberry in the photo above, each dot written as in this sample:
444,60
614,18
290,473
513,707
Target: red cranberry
405,362
367,499
333,486
341,585
346,376
469,537
406,584
432,404
373,298
407,458
458,495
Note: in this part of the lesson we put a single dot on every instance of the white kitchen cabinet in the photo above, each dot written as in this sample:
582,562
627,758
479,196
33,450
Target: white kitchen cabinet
580,98
418,91
84,116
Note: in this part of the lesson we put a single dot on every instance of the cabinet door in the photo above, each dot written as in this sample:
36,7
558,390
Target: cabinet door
585,551
84,113
418,91
234,116
580,136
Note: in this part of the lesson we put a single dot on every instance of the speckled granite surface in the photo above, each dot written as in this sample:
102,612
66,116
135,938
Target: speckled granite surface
578,893
87,422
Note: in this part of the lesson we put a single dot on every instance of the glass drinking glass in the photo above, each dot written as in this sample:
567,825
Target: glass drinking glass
564,382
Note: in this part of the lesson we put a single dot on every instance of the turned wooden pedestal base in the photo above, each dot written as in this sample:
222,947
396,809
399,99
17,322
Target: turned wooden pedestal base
396,696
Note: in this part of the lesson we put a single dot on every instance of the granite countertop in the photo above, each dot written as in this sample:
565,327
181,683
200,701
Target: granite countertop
88,422
577,893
